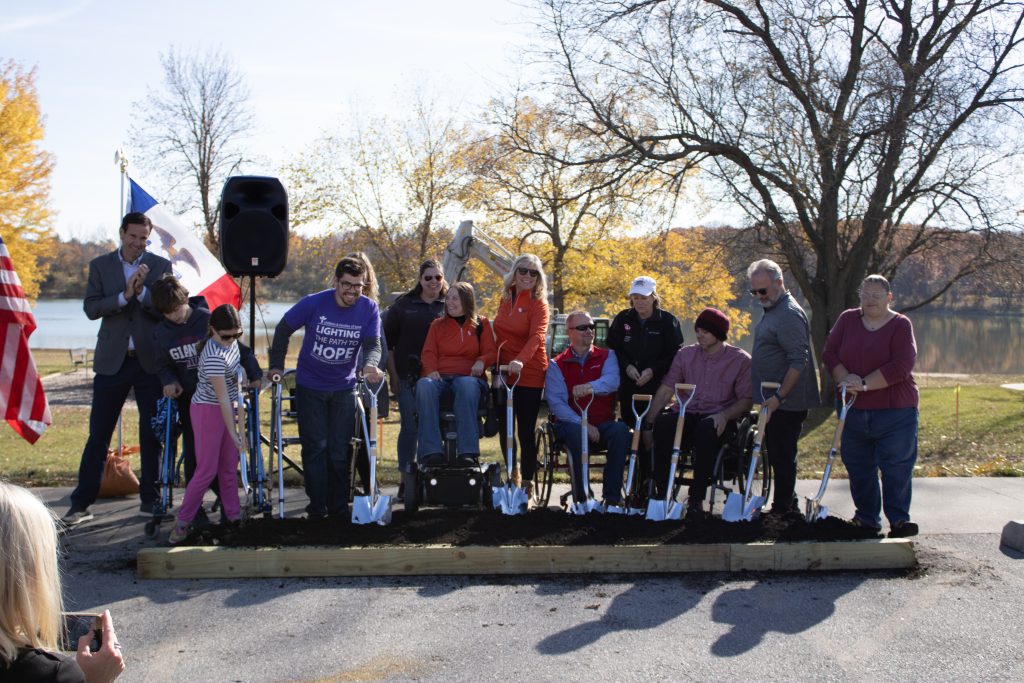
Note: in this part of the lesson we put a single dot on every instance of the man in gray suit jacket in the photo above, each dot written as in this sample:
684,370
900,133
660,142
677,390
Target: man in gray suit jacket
125,359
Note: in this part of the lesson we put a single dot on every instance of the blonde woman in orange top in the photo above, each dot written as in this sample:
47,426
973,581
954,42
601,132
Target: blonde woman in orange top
520,327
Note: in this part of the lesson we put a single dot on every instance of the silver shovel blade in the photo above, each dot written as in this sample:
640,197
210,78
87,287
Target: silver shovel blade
585,507
511,500
734,510
814,510
617,510
660,510
366,511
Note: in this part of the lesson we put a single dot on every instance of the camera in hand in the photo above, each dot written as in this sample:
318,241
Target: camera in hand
78,625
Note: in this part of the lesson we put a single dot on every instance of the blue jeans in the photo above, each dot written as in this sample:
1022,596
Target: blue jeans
615,438
326,420
108,396
883,441
468,391
406,443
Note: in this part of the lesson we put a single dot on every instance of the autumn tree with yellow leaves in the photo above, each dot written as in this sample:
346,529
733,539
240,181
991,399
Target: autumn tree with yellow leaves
524,183
689,270
24,176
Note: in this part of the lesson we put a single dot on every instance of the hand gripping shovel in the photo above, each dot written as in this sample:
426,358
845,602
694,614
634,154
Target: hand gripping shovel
585,504
668,508
510,498
374,507
631,506
743,507
813,509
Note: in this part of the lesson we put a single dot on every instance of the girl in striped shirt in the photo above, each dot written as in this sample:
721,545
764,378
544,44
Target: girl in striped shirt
218,443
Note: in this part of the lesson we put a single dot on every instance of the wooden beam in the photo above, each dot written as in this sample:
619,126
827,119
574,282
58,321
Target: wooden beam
218,562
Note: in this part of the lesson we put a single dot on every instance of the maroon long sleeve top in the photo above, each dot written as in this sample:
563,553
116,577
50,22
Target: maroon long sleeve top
891,349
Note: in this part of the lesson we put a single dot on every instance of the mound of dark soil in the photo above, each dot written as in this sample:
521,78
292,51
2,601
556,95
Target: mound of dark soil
547,527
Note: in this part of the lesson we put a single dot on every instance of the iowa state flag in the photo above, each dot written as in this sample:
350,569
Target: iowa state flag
199,271
22,400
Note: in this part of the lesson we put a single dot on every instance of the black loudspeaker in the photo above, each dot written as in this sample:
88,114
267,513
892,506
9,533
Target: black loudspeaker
254,226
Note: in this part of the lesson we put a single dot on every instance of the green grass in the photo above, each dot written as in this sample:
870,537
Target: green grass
988,442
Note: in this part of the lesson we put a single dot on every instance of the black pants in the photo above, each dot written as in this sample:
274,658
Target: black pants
109,393
700,437
525,408
780,445
643,458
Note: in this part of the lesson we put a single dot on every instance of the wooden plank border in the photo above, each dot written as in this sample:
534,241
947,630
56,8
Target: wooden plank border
218,562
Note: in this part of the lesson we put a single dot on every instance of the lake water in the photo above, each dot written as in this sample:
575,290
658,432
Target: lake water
946,342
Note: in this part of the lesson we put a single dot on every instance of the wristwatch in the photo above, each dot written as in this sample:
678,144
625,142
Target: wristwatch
779,396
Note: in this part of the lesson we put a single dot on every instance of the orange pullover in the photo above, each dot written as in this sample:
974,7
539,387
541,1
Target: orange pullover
451,349
522,325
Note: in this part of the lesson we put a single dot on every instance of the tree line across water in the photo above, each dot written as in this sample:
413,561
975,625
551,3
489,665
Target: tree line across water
694,267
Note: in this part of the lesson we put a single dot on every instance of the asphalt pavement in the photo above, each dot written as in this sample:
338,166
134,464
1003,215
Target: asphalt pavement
956,617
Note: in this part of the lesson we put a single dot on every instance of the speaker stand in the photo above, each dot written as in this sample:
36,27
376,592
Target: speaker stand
252,315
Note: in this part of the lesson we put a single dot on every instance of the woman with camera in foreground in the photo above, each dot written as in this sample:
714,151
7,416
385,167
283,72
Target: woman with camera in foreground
31,602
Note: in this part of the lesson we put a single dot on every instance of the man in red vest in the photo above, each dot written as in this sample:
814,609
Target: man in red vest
584,372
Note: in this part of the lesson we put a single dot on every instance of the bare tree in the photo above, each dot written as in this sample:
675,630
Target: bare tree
394,182
854,133
190,131
523,177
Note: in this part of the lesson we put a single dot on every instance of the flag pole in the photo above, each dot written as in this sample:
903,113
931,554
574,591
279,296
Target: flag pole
122,162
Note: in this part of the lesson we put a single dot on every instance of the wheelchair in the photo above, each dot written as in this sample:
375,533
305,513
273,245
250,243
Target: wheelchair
451,483
729,472
553,458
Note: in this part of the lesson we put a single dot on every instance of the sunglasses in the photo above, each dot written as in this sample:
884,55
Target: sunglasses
584,328
436,278
759,292
528,271
230,337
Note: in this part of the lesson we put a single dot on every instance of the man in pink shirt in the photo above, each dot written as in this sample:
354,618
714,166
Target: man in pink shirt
721,373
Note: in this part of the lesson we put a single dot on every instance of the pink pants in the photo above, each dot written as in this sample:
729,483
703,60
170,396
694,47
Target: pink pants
216,456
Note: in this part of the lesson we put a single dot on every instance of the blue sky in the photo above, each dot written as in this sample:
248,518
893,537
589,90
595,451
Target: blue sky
307,64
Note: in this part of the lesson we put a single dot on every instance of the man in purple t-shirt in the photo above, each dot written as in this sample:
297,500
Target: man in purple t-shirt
721,373
338,323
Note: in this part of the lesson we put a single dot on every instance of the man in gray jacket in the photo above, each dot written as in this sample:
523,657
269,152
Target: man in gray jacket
782,353
125,359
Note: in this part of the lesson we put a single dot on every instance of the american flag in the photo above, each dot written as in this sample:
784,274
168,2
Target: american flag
22,400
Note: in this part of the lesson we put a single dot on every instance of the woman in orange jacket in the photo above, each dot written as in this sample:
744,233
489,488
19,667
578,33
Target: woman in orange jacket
459,346
521,326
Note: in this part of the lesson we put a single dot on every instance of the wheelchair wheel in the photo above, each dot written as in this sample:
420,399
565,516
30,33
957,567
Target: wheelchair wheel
410,484
545,474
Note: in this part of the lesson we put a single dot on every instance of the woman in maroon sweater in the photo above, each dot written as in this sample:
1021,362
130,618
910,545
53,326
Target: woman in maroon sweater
871,351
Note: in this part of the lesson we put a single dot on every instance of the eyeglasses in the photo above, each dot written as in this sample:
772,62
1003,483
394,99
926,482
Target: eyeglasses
584,328
759,292
873,296
528,271
346,286
230,337
436,278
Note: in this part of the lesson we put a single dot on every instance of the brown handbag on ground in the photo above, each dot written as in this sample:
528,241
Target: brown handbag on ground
118,478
